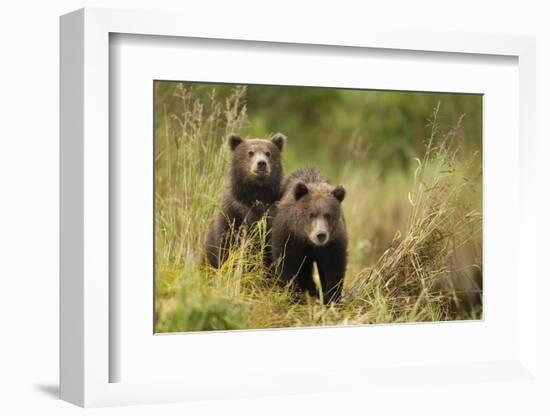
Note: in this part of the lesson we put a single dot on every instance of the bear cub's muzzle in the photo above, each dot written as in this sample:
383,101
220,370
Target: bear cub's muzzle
319,234
260,166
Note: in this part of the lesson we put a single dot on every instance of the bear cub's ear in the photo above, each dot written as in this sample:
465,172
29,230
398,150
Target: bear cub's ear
300,190
279,140
339,193
234,140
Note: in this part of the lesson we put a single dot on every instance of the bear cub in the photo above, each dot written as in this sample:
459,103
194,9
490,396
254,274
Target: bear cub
253,186
308,227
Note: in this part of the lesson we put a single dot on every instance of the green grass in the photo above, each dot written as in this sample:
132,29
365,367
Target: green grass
415,237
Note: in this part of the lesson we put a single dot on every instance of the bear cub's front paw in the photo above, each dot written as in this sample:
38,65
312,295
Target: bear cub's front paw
259,207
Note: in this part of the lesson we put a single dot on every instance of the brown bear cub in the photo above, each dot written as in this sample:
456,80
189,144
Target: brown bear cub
308,227
253,186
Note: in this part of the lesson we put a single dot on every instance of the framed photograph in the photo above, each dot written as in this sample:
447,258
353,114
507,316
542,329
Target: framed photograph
267,213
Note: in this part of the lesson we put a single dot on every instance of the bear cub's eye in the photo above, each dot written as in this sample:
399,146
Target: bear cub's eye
327,217
312,215
250,153
268,154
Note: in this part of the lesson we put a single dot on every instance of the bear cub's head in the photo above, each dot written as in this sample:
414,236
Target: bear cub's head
257,160
319,211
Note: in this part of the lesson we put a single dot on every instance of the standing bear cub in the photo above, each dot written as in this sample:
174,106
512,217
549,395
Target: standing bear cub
309,227
253,186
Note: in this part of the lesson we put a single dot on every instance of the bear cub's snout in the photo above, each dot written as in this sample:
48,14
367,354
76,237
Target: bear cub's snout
319,234
260,165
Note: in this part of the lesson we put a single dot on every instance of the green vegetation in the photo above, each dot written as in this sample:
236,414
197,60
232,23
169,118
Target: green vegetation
412,170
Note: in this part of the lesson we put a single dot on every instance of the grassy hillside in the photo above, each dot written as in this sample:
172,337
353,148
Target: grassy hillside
413,204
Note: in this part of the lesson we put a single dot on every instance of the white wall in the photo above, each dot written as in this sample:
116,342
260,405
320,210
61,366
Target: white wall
29,56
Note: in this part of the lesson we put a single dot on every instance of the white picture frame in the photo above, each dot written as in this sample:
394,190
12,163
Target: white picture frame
86,355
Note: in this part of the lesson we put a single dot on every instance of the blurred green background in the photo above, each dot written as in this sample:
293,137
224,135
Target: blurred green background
387,129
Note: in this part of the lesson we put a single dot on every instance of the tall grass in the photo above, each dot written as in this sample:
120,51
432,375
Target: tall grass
190,167
417,274
414,277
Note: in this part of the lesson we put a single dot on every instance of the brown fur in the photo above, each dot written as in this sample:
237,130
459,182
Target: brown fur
253,186
310,208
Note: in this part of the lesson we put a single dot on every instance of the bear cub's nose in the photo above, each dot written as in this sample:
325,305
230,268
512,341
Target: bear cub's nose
262,165
321,236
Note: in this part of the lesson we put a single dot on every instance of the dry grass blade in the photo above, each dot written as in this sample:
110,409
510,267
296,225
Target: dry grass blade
410,273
